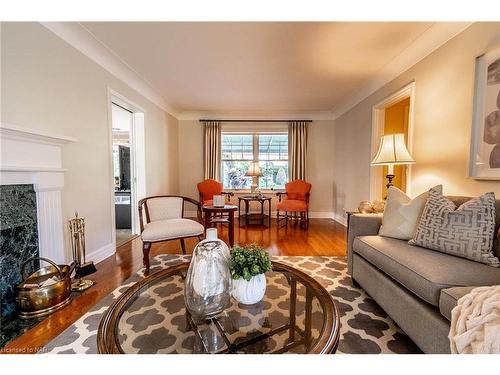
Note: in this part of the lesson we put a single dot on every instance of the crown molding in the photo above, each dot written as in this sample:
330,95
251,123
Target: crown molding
429,41
314,115
84,41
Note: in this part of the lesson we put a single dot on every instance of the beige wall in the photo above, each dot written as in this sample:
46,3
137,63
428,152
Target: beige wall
442,121
319,169
48,85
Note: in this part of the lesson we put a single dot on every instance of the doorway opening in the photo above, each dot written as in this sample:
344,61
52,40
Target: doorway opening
128,166
391,116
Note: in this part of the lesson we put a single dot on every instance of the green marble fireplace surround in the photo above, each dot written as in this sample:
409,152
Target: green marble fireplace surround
18,240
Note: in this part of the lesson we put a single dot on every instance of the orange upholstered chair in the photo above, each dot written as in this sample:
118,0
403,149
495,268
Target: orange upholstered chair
208,189
296,202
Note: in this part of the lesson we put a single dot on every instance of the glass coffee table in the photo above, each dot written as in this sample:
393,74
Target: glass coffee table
297,315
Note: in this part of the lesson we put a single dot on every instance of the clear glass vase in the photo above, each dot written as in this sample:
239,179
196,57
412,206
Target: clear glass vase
208,283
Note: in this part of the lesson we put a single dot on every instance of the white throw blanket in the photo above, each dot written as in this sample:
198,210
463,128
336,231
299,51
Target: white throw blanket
475,322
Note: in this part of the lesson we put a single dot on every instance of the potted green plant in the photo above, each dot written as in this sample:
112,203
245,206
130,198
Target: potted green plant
248,265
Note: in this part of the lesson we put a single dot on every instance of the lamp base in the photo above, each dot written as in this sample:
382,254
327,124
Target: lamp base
389,177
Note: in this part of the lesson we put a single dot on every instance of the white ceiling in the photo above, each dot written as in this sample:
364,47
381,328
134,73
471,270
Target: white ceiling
258,68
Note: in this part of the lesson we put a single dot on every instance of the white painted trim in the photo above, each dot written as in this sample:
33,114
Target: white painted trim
34,157
316,115
87,43
341,219
137,176
378,121
100,254
433,38
12,131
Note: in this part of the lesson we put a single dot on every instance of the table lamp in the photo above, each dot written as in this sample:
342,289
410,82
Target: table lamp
254,172
392,151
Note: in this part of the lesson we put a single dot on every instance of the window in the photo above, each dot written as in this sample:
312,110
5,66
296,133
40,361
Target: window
270,150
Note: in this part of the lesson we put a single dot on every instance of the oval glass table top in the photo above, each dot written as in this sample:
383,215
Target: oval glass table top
297,315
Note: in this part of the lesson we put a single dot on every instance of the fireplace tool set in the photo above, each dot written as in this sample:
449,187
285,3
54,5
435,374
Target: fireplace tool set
82,268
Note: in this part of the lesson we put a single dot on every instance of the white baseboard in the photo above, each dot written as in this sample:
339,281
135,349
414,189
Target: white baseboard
341,219
312,215
100,254
321,215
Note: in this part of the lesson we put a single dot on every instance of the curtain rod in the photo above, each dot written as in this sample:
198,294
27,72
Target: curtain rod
204,120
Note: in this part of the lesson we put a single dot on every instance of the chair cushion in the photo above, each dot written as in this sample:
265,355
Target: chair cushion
164,208
423,271
168,229
449,298
208,202
292,205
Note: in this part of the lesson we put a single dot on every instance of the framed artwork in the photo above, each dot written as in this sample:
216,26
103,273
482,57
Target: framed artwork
484,158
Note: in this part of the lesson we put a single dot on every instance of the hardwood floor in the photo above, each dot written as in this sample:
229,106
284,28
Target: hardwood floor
324,237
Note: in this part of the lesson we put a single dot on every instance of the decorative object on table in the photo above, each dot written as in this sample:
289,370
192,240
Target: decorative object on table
248,267
392,151
254,172
44,291
378,206
295,203
365,207
208,283
466,231
401,215
82,268
219,200
484,156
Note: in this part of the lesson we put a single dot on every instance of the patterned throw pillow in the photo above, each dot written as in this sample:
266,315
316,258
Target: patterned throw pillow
401,213
466,231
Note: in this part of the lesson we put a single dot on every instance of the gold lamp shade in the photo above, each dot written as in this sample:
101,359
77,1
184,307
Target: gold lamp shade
392,150
253,170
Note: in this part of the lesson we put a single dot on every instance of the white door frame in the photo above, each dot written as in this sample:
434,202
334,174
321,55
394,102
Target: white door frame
378,122
137,158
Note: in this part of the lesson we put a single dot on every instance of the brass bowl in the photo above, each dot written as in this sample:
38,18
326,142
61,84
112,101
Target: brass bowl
34,302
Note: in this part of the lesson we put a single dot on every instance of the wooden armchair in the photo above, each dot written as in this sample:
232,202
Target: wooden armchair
165,222
295,201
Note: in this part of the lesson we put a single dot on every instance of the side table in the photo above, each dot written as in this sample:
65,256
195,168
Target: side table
261,217
209,211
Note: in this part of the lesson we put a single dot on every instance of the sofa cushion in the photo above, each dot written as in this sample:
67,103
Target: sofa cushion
422,271
466,231
449,298
402,213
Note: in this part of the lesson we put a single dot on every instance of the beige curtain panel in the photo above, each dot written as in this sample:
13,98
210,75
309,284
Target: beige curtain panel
212,149
297,149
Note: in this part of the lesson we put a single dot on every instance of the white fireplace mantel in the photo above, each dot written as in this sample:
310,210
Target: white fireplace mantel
35,157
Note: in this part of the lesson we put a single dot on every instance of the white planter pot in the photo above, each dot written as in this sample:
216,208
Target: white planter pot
249,292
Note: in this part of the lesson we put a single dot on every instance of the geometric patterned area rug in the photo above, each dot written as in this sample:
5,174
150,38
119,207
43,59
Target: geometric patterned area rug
365,327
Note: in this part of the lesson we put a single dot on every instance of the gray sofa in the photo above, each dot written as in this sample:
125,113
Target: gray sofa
417,287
